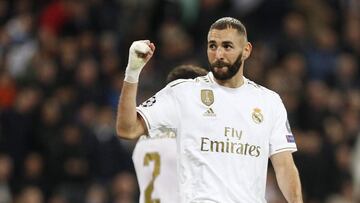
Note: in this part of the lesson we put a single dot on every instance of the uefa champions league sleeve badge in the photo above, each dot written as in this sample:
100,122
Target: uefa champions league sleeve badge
151,101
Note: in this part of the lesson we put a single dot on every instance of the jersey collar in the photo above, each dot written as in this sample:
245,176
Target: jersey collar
211,78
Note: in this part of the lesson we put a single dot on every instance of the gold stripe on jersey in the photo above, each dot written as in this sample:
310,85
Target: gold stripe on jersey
210,78
173,85
287,148
147,123
204,78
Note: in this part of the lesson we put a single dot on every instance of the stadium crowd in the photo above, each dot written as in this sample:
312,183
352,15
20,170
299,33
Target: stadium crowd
61,69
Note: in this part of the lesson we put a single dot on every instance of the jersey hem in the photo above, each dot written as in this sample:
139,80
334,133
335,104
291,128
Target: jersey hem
284,149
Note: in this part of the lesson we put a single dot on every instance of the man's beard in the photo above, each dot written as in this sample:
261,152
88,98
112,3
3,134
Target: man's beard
232,69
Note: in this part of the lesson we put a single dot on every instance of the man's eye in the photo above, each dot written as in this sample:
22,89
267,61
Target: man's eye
212,46
227,46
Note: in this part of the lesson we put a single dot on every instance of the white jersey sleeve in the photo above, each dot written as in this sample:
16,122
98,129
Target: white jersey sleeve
160,112
281,138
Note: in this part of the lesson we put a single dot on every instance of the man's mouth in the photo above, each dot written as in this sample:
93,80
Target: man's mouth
221,68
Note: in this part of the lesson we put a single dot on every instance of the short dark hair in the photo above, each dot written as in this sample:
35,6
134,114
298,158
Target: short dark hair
229,22
185,72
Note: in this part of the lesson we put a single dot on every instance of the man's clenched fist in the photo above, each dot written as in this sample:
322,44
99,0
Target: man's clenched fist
139,54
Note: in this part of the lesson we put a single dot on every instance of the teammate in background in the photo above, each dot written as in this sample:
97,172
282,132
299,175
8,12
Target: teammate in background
227,127
155,157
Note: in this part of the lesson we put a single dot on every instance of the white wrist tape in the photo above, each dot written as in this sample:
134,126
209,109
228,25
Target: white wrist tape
137,54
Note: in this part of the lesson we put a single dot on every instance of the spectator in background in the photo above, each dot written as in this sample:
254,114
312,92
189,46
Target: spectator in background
33,173
31,194
96,194
6,166
123,188
322,55
294,36
8,91
355,168
18,125
346,73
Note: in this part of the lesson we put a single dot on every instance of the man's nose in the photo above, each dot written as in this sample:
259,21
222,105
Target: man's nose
219,53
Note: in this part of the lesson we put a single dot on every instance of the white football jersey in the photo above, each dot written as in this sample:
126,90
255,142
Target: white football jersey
225,137
155,165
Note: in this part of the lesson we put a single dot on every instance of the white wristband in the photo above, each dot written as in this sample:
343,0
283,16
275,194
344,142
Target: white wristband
131,75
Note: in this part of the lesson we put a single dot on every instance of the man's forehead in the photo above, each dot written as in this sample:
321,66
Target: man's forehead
229,34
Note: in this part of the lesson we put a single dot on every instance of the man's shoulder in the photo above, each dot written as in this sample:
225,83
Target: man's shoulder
261,89
181,83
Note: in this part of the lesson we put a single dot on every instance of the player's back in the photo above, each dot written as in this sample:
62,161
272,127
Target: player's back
155,164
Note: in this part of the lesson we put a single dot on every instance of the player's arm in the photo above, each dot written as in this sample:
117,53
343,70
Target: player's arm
129,124
287,176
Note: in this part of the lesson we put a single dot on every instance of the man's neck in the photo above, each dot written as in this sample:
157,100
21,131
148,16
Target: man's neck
233,82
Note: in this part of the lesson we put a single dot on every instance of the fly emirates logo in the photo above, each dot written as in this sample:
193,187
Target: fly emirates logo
231,143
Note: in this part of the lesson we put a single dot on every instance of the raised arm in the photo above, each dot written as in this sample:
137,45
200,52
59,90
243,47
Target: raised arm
129,124
287,176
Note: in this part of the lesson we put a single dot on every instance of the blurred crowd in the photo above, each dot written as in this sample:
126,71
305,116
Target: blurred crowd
61,71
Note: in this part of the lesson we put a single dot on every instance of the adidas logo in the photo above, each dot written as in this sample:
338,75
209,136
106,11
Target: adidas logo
209,112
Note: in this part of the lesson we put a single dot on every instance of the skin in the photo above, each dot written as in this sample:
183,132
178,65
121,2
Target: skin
131,126
287,176
226,46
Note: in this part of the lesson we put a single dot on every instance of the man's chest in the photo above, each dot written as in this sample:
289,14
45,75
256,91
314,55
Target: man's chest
232,119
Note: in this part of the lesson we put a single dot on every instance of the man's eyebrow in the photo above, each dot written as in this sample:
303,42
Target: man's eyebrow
227,42
212,42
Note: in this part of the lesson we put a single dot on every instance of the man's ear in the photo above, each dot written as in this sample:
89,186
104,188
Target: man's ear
247,51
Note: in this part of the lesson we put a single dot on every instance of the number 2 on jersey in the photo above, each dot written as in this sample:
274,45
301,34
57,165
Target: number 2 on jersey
155,157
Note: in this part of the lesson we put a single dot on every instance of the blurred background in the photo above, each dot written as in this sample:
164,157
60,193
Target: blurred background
61,71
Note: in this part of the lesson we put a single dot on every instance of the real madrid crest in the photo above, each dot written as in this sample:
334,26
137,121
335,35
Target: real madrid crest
257,116
207,97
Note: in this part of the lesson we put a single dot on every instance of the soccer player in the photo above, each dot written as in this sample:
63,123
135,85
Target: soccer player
155,157
227,127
